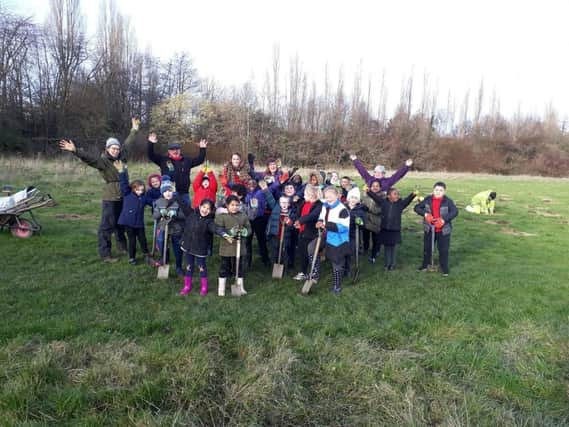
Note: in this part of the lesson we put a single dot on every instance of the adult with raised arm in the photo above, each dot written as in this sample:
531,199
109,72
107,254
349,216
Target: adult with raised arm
176,165
379,173
108,164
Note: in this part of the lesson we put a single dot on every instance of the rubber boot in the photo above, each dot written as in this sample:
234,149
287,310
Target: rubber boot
203,283
187,285
221,286
240,285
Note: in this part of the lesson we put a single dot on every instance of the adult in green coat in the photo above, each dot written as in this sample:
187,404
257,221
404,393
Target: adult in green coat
483,203
108,165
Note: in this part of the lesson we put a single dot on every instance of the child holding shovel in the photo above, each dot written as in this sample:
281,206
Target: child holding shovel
238,227
279,226
197,241
438,211
167,210
335,220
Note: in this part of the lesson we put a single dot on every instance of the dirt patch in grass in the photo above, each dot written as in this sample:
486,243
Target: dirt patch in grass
498,222
517,233
75,217
546,200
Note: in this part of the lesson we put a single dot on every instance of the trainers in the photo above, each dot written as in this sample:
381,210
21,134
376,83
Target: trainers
371,260
132,261
110,259
300,276
445,274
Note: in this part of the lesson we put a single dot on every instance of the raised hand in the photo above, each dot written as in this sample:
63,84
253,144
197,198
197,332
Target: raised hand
353,157
263,185
67,145
409,163
152,138
135,123
119,165
203,143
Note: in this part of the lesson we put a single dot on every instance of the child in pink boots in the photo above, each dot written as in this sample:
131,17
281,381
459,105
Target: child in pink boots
197,240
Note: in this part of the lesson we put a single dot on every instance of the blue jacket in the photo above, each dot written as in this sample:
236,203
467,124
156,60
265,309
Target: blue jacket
274,218
132,214
258,211
153,194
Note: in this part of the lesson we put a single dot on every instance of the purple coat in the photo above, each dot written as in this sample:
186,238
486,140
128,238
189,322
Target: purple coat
385,183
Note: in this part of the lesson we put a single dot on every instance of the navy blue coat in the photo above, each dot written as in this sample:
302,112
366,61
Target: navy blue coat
132,214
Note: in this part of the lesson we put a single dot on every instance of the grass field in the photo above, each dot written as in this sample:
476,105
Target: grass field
82,343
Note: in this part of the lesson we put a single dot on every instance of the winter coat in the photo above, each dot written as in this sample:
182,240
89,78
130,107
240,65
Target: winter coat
309,221
153,194
337,221
176,224
178,170
132,213
198,232
391,212
105,164
227,221
448,212
486,205
372,220
274,218
387,182
201,193
256,204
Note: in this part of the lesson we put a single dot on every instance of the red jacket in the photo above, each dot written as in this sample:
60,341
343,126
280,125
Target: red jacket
201,193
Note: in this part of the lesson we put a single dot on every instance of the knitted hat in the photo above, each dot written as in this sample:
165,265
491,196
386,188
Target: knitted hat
165,186
354,193
174,146
111,142
379,168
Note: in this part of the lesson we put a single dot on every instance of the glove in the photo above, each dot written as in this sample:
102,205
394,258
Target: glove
163,212
172,213
233,231
359,221
244,232
365,188
269,179
227,237
439,222
250,158
429,218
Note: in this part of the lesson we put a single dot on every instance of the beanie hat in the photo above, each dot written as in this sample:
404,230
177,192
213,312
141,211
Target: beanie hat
379,168
112,141
174,146
354,193
165,186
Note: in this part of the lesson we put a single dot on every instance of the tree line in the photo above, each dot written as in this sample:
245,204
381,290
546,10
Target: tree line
56,82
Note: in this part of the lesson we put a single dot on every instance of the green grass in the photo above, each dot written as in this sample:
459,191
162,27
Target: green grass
82,343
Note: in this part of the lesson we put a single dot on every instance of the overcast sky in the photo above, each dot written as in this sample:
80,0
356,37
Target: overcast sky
520,48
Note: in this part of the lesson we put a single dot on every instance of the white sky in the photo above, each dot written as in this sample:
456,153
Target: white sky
518,47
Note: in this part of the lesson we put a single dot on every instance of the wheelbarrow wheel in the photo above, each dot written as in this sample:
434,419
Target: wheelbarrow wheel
22,229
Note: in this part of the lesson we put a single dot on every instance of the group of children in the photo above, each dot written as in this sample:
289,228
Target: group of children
286,217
